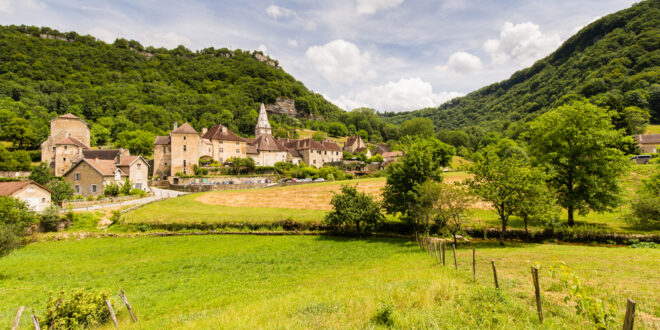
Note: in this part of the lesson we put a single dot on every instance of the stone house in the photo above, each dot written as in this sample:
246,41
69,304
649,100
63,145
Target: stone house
36,196
648,143
225,144
89,177
69,136
138,170
315,153
354,145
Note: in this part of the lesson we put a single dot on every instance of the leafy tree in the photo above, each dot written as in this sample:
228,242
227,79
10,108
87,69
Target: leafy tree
126,188
139,142
241,165
20,132
646,204
61,191
100,135
353,209
50,218
577,144
336,129
111,189
537,201
422,162
318,136
363,134
446,204
41,174
418,127
15,217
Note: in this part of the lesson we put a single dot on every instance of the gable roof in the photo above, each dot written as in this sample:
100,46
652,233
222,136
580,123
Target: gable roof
331,146
71,141
294,152
221,132
266,142
308,143
9,188
184,129
648,138
162,140
102,166
69,116
129,160
351,140
105,154
251,149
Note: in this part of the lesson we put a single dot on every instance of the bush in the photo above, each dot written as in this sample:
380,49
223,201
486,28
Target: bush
645,212
383,315
199,171
112,189
138,192
78,309
354,210
50,218
15,216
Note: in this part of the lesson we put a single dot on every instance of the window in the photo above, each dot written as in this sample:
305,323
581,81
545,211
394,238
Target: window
164,149
314,161
139,166
184,137
238,151
64,159
76,176
138,186
64,147
43,199
209,150
184,148
165,163
237,143
220,149
325,152
54,148
93,188
76,188
184,166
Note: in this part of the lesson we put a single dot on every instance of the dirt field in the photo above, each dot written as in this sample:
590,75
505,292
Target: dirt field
304,196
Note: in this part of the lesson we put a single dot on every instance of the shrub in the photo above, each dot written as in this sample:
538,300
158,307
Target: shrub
383,315
77,309
200,170
645,212
50,218
126,187
353,209
138,192
112,189
15,216
648,245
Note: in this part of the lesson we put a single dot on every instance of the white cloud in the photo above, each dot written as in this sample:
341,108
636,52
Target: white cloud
276,11
522,43
292,42
371,6
5,6
405,94
340,61
262,48
462,62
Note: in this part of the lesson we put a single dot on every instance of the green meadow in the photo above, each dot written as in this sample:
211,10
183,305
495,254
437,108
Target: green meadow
241,282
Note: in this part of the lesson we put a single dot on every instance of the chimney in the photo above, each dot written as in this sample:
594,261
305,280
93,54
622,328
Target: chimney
204,130
176,125
223,129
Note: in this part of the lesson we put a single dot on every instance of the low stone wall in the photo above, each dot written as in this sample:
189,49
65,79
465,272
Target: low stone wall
14,174
84,203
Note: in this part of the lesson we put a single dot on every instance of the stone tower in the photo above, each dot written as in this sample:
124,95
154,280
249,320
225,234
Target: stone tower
263,126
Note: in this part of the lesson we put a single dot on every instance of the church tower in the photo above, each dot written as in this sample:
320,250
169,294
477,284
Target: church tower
263,126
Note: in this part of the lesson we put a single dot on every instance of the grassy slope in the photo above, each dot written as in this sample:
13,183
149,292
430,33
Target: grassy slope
653,129
313,282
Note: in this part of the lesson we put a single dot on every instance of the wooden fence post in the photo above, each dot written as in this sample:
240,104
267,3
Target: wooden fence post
497,285
453,246
474,265
435,248
122,295
537,292
35,322
17,319
630,315
112,313
443,253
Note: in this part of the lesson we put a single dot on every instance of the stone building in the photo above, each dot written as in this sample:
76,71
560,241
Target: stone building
36,196
648,143
356,145
69,136
99,168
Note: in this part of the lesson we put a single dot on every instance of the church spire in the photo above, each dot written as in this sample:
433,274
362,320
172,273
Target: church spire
263,126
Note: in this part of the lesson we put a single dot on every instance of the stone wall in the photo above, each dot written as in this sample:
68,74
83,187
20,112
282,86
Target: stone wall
283,106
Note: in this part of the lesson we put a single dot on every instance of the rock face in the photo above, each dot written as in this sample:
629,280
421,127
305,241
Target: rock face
263,58
283,106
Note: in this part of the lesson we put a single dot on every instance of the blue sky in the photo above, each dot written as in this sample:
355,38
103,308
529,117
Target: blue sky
392,55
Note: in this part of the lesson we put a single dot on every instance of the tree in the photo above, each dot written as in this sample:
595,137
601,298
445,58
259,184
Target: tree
646,204
418,127
41,174
353,209
20,132
336,129
61,191
498,181
422,162
537,200
15,217
100,135
363,134
578,146
446,204
126,187
318,136
138,142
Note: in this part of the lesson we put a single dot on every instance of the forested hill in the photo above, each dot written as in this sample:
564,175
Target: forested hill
124,86
614,62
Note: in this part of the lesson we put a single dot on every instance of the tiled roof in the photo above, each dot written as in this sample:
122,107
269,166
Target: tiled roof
71,141
266,142
359,150
185,129
103,166
129,160
648,138
70,116
294,152
105,154
221,132
251,149
351,140
331,146
162,140
8,188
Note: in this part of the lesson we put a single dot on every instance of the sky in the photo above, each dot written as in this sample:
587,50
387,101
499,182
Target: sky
390,55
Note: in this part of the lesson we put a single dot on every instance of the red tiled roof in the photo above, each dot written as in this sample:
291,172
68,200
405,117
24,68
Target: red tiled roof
162,140
294,152
351,140
71,141
221,132
102,166
251,149
106,154
331,146
185,129
9,188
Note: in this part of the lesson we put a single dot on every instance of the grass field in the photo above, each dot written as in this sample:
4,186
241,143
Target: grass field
321,282
652,129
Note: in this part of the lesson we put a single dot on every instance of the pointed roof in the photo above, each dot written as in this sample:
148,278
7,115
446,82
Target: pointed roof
71,141
69,116
185,129
263,126
9,188
162,140
222,133
105,154
266,142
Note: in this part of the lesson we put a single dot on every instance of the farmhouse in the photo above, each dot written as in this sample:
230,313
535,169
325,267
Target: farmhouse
648,143
181,150
36,196
90,176
356,145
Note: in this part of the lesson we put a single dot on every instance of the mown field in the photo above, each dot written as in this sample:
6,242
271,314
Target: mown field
314,282
310,202
653,129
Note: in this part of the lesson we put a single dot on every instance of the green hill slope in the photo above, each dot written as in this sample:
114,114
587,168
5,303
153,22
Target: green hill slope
614,61
124,86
